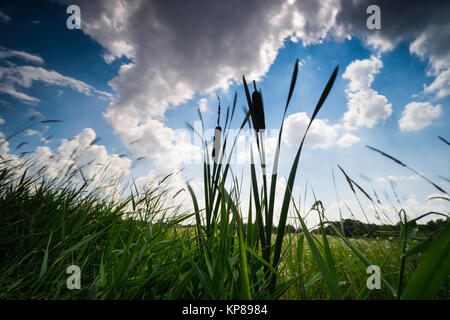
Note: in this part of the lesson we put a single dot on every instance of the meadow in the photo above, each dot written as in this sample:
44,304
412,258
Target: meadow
138,247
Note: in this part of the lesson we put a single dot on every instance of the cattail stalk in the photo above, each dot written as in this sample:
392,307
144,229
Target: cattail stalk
217,138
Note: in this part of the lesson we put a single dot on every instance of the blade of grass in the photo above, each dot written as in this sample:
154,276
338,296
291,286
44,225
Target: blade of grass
45,259
404,165
361,257
291,179
432,270
273,181
327,274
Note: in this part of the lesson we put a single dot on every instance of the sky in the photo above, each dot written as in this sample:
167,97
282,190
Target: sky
126,83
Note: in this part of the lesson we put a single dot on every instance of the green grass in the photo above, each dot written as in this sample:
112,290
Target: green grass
136,247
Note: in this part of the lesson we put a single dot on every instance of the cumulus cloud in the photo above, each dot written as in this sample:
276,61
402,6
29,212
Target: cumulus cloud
361,73
424,22
103,169
428,45
178,50
163,144
227,40
440,86
418,115
347,140
82,150
320,135
366,106
203,104
432,44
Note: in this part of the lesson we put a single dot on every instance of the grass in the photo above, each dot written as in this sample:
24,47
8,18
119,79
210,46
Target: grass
136,247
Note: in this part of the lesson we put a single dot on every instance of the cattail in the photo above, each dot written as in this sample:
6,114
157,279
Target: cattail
217,138
259,122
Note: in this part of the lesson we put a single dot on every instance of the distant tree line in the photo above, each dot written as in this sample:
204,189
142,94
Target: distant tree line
356,228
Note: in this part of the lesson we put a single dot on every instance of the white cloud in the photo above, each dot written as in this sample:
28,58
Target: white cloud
4,147
171,62
432,45
366,107
9,53
203,104
168,148
347,140
78,152
440,86
24,76
361,73
379,43
412,206
31,132
103,170
398,178
4,18
2,121
418,115
7,88
320,135
424,24
207,47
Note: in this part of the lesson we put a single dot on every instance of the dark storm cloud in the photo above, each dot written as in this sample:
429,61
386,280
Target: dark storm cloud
427,21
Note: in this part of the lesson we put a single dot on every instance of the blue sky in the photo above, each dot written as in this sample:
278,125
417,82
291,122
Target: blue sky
77,80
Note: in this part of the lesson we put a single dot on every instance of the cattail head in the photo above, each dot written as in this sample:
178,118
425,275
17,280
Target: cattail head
216,144
258,119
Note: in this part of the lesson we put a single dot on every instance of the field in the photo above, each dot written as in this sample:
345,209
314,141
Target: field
44,232
136,247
